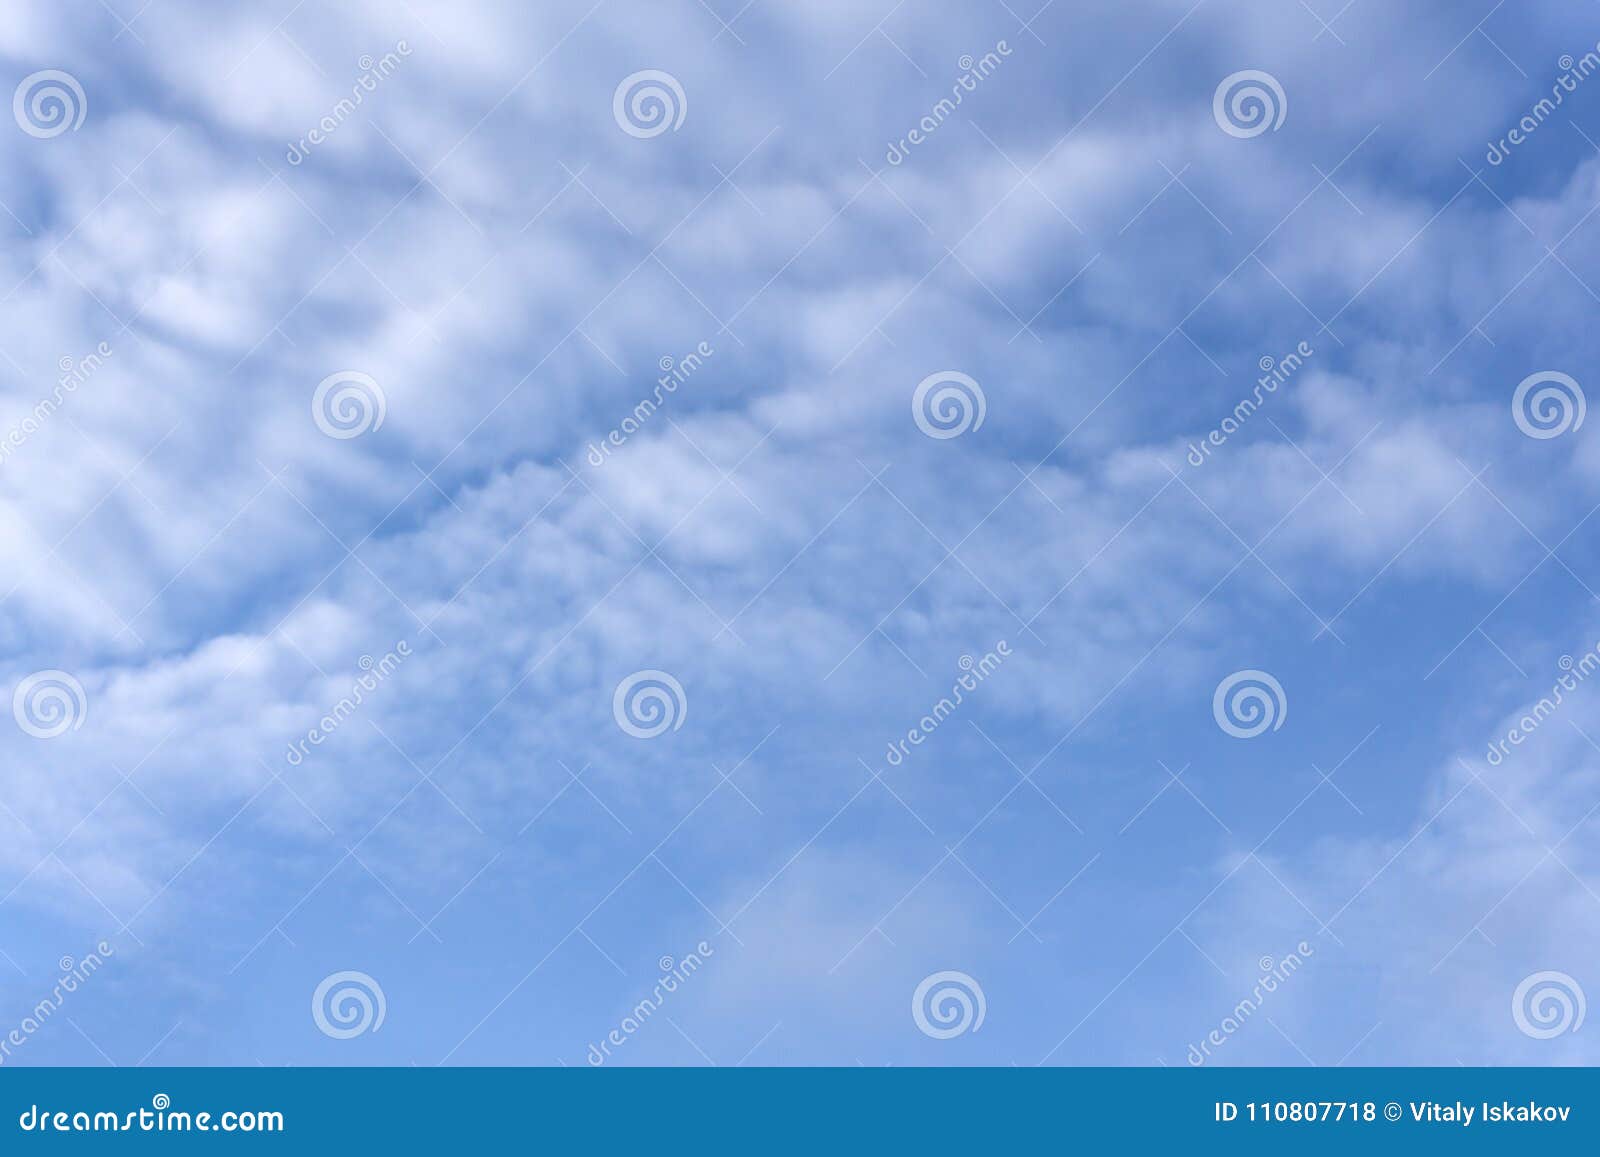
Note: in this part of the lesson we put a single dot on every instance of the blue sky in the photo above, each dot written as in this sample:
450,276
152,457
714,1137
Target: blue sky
506,252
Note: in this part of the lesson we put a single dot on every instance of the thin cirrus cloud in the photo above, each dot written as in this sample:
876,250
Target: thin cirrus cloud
648,406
